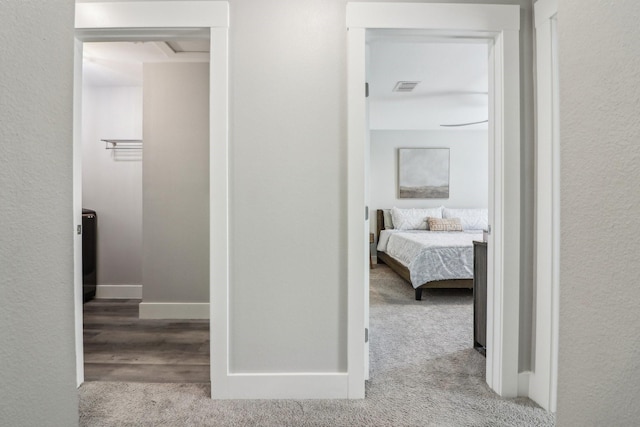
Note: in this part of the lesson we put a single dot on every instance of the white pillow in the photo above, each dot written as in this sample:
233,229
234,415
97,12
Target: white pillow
388,221
413,219
471,219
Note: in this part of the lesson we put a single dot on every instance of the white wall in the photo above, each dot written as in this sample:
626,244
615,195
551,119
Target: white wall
112,180
37,355
599,349
468,168
288,193
175,229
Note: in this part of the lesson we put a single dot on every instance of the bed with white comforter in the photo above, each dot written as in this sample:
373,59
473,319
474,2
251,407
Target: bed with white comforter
431,255
430,247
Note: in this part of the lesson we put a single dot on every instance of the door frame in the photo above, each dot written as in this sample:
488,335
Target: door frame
500,26
132,21
543,382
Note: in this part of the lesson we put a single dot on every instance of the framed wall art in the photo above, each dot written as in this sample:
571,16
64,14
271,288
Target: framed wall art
423,173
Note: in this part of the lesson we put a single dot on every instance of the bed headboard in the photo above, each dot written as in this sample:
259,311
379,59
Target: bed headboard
379,222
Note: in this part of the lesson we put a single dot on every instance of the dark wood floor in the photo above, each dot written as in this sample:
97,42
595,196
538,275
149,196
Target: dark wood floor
118,346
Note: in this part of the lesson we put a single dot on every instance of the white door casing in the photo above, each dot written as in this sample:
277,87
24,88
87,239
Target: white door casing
160,20
356,201
367,229
543,379
499,25
77,208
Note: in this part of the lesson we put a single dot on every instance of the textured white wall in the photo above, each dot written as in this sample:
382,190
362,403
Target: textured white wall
599,358
112,179
175,217
37,356
468,168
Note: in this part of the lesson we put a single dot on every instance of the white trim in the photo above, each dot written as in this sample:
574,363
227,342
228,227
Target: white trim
77,210
457,17
555,294
500,25
174,310
153,14
135,20
357,242
123,291
219,216
543,384
523,383
503,270
287,386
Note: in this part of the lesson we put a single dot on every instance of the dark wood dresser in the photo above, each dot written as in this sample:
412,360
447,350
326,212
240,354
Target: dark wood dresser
480,296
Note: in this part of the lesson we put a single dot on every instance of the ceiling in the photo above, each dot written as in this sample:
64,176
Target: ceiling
453,84
452,76
120,63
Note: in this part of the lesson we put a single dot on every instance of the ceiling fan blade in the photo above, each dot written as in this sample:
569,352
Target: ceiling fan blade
465,124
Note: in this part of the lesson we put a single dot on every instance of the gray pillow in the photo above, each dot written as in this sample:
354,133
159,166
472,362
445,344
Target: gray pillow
388,221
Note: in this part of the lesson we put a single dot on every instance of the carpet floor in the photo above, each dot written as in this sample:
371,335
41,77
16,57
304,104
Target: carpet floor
424,372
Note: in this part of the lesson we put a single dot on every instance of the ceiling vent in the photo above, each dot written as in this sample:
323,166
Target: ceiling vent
405,86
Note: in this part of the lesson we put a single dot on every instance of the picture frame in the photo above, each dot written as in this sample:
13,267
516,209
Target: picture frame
423,173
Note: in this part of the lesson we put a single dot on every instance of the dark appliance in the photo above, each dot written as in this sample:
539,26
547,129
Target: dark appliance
89,253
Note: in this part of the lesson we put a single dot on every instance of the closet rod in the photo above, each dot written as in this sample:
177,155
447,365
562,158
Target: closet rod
122,144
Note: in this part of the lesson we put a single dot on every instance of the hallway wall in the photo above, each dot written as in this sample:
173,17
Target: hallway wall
599,363
37,355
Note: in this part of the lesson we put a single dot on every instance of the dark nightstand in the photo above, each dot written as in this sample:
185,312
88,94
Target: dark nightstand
372,239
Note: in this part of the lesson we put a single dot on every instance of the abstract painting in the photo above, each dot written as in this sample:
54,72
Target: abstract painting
423,173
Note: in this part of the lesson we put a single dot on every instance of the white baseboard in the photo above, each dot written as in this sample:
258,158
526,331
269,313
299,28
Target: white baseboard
284,386
539,391
523,383
123,291
174,310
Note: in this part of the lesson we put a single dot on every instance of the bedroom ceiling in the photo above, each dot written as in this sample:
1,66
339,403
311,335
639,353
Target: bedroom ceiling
120,63
453,84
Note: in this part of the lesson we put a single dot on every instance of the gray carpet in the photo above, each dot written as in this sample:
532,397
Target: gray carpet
423,373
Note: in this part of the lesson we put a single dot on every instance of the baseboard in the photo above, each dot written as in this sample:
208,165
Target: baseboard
123,291
523,384
284,386
174,310
539,392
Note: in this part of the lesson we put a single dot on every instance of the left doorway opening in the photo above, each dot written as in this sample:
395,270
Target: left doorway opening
117,344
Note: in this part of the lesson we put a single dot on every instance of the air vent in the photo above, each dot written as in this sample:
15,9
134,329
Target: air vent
405,86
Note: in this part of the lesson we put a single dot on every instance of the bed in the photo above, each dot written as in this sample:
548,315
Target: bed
428,259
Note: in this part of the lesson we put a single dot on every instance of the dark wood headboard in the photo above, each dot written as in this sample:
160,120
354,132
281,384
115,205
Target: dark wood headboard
379,222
